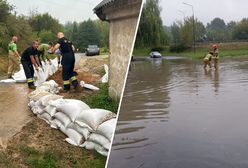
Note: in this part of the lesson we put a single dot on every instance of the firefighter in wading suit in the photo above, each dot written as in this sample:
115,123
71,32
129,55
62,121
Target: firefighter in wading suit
29,59
207,60
68,61
215,51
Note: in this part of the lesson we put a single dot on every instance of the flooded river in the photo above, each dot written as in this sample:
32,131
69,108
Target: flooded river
176,115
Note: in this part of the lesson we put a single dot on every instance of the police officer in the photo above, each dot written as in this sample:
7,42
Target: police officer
29,59
68,61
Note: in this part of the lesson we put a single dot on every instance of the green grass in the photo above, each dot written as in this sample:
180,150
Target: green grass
39,159
101,100
235,49
52,159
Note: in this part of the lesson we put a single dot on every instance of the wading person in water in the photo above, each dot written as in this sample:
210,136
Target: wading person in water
215,51
207,60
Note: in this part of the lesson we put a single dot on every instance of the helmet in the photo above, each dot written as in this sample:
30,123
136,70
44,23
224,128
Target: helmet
214,46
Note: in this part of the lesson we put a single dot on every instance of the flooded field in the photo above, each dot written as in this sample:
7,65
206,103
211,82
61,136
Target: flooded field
175,114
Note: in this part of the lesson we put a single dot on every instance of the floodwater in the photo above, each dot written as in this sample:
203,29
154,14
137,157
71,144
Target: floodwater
14,112
176,115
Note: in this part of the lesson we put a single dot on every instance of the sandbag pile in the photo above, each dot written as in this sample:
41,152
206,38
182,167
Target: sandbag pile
41,75
83,126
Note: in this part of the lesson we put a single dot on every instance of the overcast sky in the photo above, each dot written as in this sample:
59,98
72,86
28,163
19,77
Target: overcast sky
64,10
205,10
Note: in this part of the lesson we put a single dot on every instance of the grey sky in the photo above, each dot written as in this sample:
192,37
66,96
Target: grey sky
64,10
205,10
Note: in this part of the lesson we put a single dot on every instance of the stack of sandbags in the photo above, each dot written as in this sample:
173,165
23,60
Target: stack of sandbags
48,68
84,127
40,99
102,124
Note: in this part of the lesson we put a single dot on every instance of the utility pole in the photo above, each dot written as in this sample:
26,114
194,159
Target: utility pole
193,23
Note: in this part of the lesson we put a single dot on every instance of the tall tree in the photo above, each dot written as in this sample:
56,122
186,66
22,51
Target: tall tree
216,30
151,32
240,31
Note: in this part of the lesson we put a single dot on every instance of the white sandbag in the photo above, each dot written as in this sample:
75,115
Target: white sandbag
37,110
83,125
20,75
95,117
99,139
31,104
36,95
107,128
93,146
46,117
49,86
63,118
82,130
51,110
44,101
71,107
73,135
88,86
40,77
55,123
70,141
8,81
105,77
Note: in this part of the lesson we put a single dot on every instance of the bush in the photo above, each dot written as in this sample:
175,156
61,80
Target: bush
178,48
159,49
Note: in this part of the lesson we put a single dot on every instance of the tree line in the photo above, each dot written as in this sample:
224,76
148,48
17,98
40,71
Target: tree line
44,27
152,33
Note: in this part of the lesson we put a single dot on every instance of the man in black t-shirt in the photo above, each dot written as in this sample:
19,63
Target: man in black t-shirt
29,59
68,61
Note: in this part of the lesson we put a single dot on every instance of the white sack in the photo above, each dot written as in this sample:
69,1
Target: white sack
93,146
55,123
82,130
105,77
44,101
99,139
71,107
46,117
51,110
63,118
76,138
107,128
95,117
88,86
20,75
36,95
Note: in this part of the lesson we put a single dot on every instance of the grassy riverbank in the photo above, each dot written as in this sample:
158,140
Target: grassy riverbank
225,49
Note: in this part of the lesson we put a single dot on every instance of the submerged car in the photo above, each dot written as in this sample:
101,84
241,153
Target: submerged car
155,54
92,50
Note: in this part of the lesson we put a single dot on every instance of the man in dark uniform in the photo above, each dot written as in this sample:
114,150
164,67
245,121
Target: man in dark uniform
68,61
29,59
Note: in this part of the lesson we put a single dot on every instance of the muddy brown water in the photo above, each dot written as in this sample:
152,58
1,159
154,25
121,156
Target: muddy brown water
176,115
14,112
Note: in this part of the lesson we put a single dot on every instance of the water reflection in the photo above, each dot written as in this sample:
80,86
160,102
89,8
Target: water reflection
176,115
